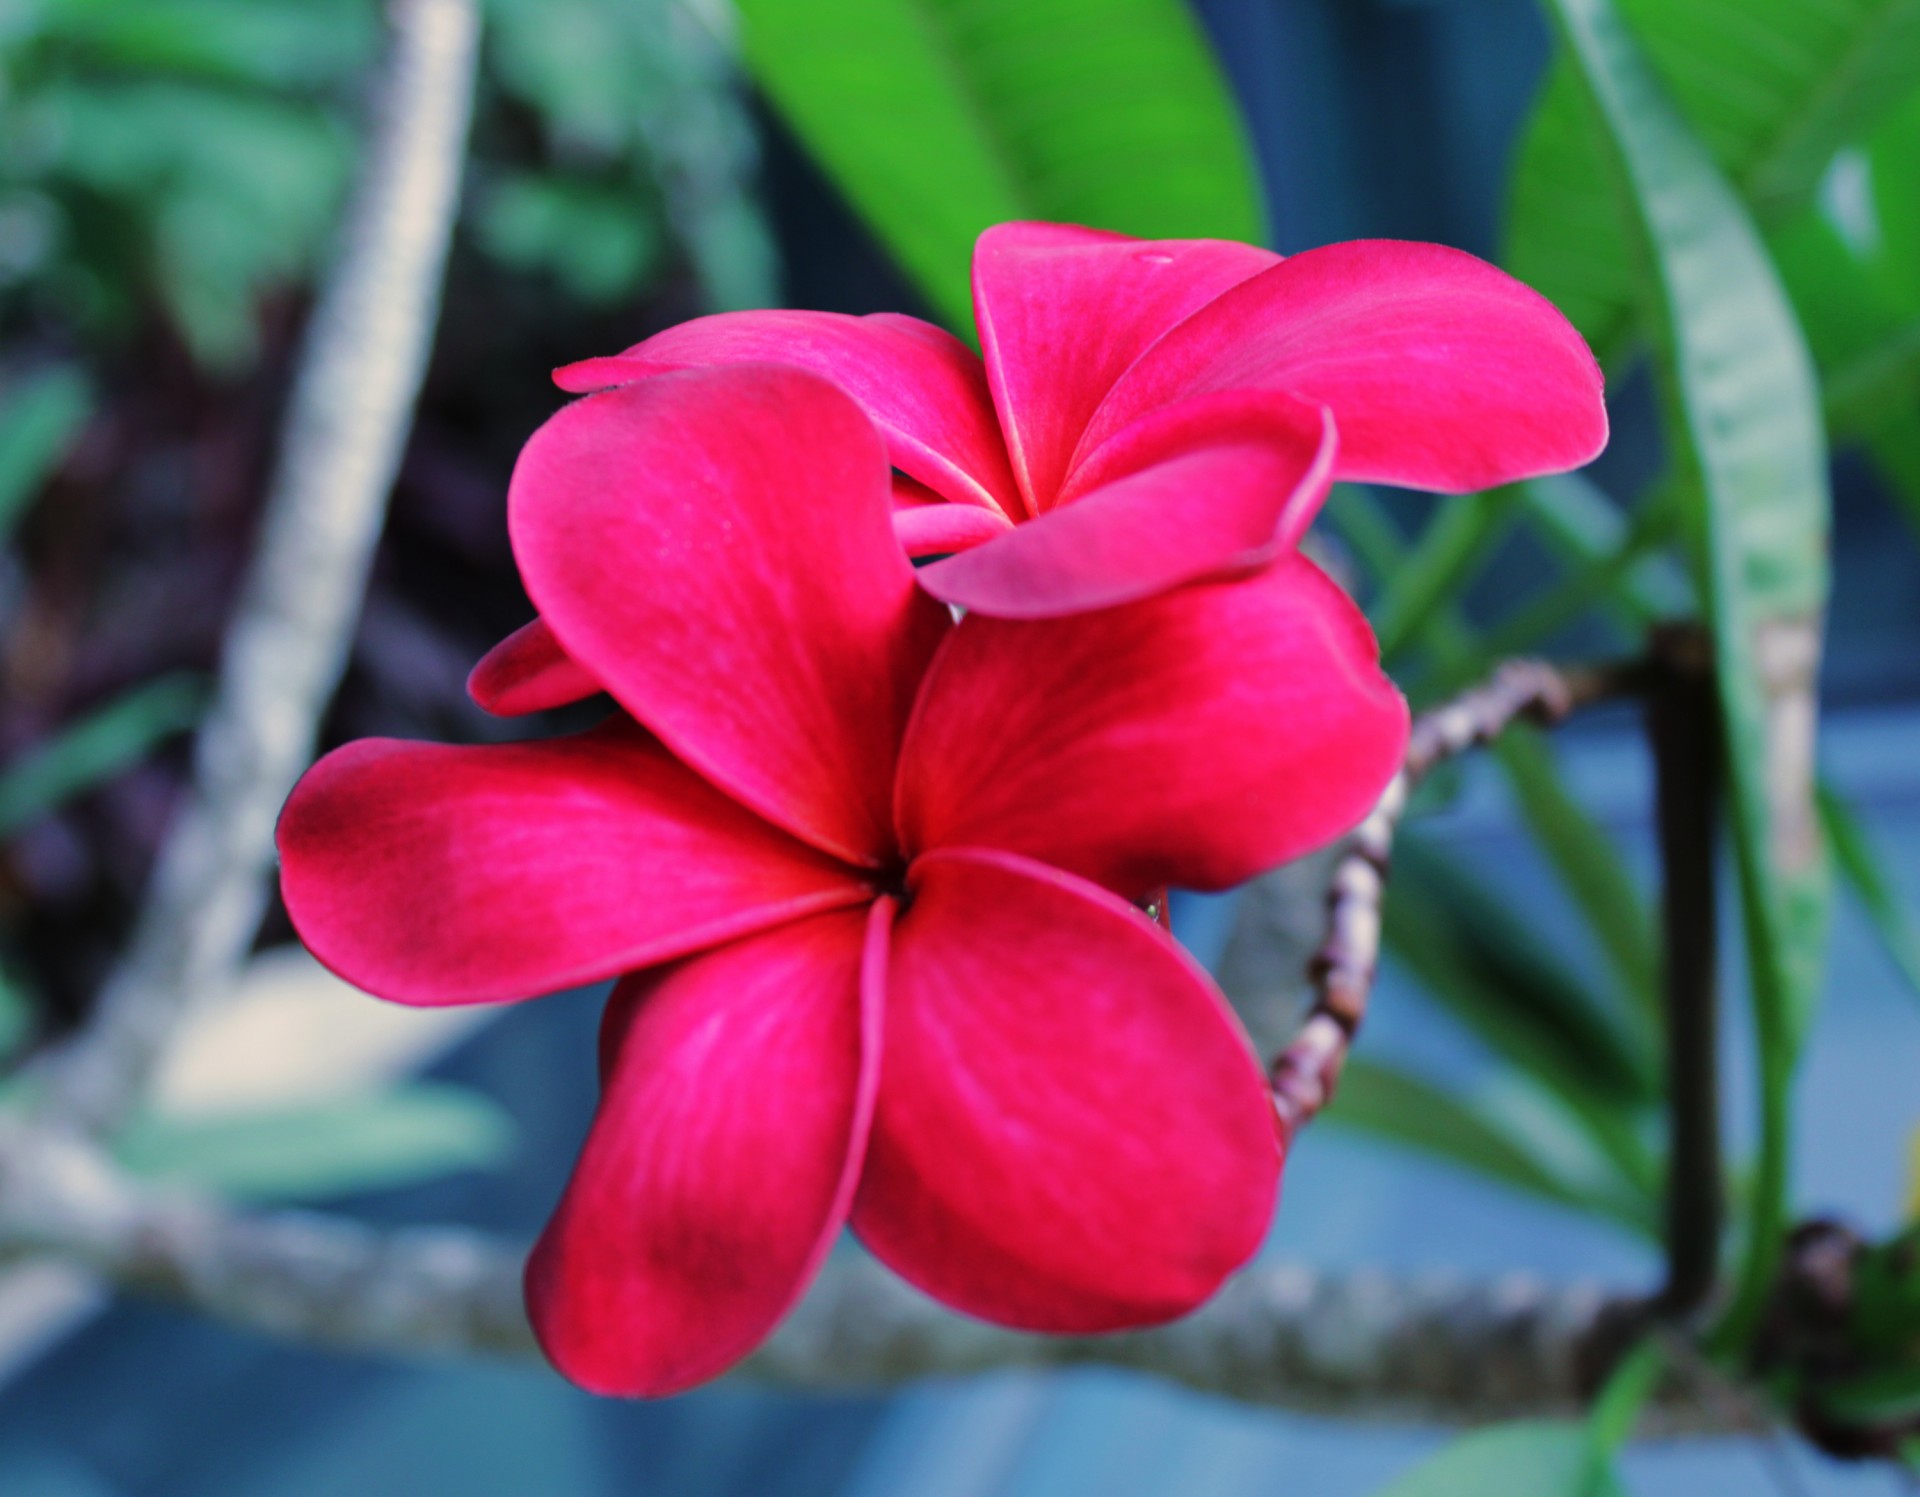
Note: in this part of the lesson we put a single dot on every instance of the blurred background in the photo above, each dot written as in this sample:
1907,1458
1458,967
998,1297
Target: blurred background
172,173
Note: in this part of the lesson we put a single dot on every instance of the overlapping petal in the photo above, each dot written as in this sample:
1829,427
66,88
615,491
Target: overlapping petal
927,525
1214,487
1062,312
1196,738
922,386
1442,371
528,671
1072,1133
722,1161
436,874
716,548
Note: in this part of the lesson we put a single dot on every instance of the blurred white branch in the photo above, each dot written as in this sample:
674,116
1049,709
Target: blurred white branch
346,426
1356,1343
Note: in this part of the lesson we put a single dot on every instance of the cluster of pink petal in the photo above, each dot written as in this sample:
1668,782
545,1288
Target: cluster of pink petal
867,875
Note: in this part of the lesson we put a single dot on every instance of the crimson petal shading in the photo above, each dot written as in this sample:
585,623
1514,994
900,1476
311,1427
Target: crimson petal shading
434,874
715,546
922,386
1072,1132
1442,372
1196,738
1218,486
722,1160
526,672
1064,310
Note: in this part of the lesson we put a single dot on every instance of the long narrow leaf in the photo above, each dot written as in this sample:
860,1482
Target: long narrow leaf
1746,428
39,418
1449,552
97,747
940,117
16,1016
1580,523
1861,866
1591,869
1535,1458
1513,992
1389,1103
1774,88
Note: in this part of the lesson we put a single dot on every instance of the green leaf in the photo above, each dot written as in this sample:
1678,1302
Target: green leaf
270,43
16,1015
1406,1109
1614,581
99,746
1750,455
415,1132
1506,982
1634,1380
1888,1396
1492,974
1774,88
234,190
39,418
940,117
1448,554
1861,866
1586,529
1590,867
591,237
1852,266
1537,1458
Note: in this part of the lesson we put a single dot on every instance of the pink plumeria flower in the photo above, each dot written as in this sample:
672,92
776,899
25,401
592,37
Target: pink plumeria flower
1152,412
864,875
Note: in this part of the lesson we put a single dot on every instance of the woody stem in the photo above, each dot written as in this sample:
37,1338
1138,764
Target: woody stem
1305,1073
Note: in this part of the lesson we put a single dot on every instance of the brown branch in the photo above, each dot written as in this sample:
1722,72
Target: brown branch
352,403
1683,726
1305,1073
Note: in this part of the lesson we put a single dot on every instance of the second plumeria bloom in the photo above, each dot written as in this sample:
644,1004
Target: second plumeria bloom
865,874
1146,413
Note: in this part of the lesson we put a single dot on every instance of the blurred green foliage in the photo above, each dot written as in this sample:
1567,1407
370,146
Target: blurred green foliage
179,165
191,155
1540,1458
1725,194
415,1131
940,117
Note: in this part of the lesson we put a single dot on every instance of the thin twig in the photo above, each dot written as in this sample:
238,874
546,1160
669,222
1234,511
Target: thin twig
352,403
1305,1073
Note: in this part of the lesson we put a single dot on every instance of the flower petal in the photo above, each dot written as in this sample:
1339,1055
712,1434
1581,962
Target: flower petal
1072,1132
715,546
1197,738
1064,310
526,672
732,1122
1441,371
1212,487
922,386
436,874
939,528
